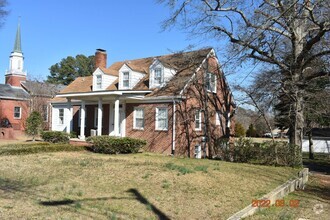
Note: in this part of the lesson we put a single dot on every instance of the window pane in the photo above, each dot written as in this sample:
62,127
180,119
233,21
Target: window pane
161,118
61,116
158,76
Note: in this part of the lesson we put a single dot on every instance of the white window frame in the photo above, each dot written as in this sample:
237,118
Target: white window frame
98,82
128,79
211,85
20,112
96,115
61,121
45,113
198,120
161,76
135,118
157,118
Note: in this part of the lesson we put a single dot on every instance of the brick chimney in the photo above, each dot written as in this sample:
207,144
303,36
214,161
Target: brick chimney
100,58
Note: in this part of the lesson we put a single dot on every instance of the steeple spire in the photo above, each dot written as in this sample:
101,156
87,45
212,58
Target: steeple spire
17,46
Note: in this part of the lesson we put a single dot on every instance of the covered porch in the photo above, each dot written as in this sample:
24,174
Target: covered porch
100,113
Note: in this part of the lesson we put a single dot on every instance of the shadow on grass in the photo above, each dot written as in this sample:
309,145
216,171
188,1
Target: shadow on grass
144,201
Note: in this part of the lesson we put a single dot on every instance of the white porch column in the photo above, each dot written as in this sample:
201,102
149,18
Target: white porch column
82,120
99,117
69,119
111,123
116,121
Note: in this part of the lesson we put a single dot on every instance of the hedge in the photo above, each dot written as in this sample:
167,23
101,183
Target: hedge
267,153
115,145
55,136
32,148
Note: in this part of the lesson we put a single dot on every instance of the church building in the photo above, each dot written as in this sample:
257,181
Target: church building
19,97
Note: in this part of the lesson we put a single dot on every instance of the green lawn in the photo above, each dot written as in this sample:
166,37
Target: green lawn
84,185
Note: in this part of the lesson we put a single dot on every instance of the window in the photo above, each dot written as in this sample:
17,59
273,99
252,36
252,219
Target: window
158,76
138,118
99,82
211,82
17,112
125,79
61,116
198,120
45,112
161,119
217,118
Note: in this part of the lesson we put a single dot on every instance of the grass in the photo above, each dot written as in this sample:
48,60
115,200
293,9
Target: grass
75,185
314,200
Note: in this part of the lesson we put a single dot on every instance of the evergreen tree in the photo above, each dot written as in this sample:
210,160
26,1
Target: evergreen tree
34,124
70,68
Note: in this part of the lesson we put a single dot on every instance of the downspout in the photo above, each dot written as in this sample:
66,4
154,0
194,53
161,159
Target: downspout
173,128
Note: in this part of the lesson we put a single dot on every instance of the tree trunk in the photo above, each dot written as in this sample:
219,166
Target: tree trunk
297,126
311,148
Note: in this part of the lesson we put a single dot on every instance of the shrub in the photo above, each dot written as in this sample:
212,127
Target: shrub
55,136
114,145
245,150
33,124
239,130
266,153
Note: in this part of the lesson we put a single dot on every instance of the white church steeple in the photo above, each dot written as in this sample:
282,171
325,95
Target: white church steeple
15,75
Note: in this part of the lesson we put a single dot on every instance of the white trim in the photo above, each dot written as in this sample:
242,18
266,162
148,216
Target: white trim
20,112
173,127
96,93
193,76
156,119
199,113
217,117
134,118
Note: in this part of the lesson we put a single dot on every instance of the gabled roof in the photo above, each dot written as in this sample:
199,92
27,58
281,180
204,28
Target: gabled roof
184,63
16,93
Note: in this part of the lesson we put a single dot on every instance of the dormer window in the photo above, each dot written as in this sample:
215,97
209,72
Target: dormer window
158,76
99,82
126,80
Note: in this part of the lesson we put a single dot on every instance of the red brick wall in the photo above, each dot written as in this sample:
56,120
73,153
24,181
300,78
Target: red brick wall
7,111
15,80
219,101
158,141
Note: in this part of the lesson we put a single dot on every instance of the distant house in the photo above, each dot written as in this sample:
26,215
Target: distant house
171,101
18,97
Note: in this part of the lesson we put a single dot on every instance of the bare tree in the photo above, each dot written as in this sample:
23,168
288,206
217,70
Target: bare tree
3,11
286,35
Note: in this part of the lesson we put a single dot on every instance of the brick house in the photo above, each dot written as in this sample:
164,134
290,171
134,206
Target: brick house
171,101
18,96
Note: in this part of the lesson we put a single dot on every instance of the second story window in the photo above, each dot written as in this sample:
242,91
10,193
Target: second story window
211,82
198,120
125,79
158,76
99,82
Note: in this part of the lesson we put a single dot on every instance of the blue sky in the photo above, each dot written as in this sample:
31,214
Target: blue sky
54,29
